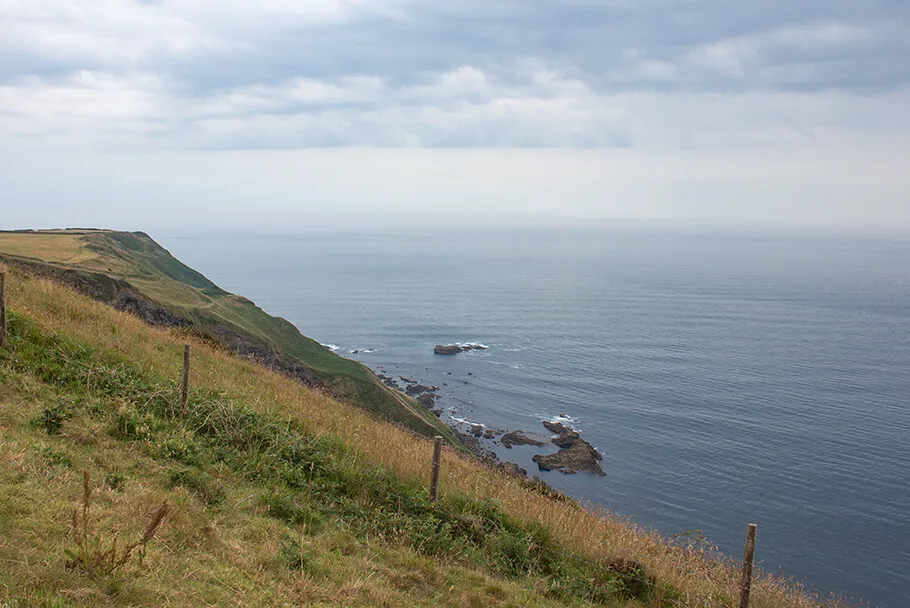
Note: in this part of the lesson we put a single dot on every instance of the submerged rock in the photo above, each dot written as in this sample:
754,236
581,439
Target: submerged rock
477,430
518,438
580,456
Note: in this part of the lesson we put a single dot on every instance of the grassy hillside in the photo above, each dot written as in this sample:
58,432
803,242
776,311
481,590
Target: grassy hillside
277,494
133,272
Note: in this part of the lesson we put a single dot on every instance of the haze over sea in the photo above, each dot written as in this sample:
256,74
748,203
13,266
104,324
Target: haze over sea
728,377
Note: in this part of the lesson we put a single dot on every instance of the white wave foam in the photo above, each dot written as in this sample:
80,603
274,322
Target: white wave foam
477,345
474,345
466,421
331,347
562,418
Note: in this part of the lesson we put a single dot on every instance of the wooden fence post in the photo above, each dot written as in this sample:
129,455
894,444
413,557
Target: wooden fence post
2,310
186,379
437,460
745,585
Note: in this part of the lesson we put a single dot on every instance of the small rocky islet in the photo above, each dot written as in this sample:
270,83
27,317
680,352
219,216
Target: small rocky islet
579,457
454,349
575,455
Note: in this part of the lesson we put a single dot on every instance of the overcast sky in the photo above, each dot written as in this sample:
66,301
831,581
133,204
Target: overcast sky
293,114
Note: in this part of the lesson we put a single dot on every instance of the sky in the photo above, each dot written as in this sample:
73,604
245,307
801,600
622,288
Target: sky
307,114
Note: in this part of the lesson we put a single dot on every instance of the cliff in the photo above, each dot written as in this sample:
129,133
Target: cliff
133,273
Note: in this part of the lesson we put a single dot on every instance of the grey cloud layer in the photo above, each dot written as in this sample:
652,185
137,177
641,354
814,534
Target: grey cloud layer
281,73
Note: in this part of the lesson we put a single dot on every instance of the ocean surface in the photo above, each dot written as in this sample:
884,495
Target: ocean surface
727,378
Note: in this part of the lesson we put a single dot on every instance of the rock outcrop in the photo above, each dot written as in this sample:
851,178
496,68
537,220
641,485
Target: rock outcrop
427,400
578,457
417,389
575,454
454,349
518,438
565,436
513,470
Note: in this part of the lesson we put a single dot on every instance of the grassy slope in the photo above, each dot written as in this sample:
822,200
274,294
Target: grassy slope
281,495
138,260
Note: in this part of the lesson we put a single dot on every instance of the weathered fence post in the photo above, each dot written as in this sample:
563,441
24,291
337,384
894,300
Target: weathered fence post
745,585
437,460
186,378
2,309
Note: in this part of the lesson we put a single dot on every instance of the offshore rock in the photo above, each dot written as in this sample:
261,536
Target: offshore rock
518,438
454,349
565,436
578,457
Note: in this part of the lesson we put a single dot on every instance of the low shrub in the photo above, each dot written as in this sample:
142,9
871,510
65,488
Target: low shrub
115,481
294,554
56,457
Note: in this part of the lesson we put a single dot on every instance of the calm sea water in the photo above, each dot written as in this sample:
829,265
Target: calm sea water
727,378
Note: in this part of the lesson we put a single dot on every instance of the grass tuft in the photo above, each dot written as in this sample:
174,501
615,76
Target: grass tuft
92,554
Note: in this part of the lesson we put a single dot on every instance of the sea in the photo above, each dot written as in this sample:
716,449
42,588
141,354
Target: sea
728,376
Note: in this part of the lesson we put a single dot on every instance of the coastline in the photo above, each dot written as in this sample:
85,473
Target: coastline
561,447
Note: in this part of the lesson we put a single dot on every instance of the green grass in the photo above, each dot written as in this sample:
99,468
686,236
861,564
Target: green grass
91,409
109,261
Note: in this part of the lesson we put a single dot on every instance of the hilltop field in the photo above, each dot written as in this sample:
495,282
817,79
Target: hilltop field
271,488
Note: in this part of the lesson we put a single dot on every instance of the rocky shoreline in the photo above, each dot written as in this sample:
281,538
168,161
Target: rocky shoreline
575,455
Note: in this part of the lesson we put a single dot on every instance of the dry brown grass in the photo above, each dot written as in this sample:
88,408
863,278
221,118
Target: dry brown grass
59,247
702,580
93,553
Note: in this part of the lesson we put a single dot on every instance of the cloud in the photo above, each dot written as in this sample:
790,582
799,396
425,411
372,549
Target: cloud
201,74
